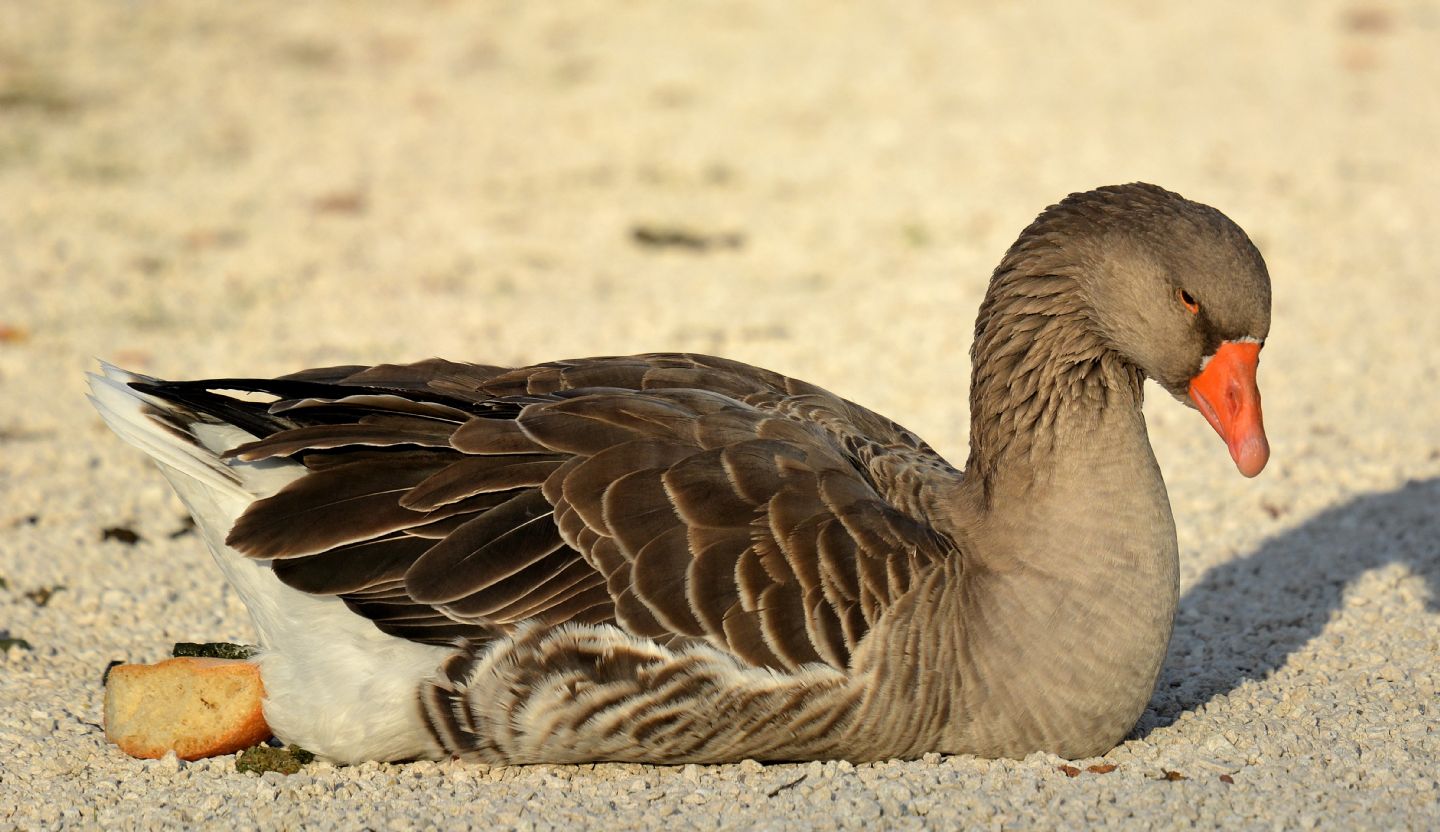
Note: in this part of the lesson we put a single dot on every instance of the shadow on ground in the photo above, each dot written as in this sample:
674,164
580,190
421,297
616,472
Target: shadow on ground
1245,618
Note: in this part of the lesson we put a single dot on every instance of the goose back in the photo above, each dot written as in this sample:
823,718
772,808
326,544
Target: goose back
683,498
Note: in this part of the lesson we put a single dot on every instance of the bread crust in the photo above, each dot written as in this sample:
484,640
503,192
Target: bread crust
196,707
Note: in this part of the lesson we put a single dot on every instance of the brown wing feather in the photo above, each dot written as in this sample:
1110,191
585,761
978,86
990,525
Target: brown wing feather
356,567
680,497
368,431
339,505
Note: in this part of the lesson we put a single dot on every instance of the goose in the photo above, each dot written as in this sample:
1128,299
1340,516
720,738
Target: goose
678,558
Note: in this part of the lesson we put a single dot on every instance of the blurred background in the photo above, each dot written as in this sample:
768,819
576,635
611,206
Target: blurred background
210,189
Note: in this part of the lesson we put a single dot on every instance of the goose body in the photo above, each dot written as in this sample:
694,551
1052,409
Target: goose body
679,558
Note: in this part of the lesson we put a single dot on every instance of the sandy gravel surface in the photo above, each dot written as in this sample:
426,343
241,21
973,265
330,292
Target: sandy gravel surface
219,189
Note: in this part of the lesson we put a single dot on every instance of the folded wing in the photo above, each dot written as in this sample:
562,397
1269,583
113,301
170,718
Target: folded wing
682,498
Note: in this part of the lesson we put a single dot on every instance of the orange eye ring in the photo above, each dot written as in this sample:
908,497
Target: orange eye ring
1189,301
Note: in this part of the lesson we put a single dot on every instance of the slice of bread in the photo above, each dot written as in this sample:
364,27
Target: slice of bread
194,707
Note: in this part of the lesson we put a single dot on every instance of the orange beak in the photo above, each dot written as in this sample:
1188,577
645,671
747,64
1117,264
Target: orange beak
1226,394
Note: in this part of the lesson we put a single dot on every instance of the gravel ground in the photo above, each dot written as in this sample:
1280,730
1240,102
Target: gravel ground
212,189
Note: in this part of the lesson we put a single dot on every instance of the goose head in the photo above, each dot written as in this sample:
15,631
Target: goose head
1180,292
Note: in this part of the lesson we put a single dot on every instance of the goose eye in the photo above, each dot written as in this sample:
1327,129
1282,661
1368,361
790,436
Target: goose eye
1189,301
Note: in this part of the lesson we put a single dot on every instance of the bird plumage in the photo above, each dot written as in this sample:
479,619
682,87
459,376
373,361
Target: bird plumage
681,558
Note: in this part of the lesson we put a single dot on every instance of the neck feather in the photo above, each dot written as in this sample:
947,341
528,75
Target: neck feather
1038,364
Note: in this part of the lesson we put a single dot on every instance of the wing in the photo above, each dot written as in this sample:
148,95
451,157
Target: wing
682,498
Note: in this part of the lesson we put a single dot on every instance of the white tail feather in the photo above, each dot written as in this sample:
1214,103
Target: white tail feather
334,683
123,409
196,455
